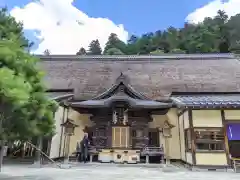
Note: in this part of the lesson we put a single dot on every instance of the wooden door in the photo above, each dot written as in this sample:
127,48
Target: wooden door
120,137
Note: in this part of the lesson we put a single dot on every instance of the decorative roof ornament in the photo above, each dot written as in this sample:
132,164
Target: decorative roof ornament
122,79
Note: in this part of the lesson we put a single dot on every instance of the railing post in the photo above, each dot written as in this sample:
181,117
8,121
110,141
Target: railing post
163,154
147,159
234,166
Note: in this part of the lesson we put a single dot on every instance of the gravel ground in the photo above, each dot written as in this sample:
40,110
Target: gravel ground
108,172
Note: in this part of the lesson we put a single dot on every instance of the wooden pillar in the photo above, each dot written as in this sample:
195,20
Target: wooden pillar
130,137
61,136
91,158
193,137
167,150
109,135
147,159
146,140
226,145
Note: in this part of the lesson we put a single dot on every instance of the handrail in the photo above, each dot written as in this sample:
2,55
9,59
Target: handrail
236,163
44,154
152,150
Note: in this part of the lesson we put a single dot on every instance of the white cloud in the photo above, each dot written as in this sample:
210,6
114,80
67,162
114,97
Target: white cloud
231,7
64,28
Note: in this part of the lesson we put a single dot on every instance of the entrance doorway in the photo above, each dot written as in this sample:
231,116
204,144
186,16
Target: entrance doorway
234,147
120,137
153,136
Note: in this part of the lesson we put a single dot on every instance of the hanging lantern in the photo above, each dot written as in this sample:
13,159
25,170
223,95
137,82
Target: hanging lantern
69,127
166,130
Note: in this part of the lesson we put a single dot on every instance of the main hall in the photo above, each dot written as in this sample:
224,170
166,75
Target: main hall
176,107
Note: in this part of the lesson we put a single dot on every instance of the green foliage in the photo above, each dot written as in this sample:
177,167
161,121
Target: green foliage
214,35
25,111
157,52
94,48
9,28
114,51
81,51
177,51
114,46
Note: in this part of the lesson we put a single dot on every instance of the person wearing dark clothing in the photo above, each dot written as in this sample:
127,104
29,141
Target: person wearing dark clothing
84,148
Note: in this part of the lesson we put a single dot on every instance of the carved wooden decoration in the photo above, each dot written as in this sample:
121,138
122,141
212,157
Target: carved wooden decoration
125,117
114,117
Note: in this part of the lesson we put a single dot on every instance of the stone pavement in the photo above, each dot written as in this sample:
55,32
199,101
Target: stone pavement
108,172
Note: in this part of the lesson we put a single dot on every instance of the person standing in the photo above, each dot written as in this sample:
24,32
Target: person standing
84,147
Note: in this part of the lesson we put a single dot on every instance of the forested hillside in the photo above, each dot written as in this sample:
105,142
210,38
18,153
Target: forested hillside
214,35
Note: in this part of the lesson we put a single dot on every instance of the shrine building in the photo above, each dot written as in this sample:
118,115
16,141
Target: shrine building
144,108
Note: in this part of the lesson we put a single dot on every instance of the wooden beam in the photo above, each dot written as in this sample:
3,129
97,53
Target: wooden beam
226,145
61,135
65,138
179,138
184,137
182,112
223,107
193,137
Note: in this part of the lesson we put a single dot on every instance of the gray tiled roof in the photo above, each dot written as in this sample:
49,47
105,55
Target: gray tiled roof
207,100
138,103
154,76
138,57
58,95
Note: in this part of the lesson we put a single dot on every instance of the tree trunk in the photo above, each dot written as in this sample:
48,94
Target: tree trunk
38,152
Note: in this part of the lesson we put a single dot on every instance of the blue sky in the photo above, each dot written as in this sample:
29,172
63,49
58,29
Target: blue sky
138,16
52,24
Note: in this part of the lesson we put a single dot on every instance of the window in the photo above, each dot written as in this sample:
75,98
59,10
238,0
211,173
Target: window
210,139
188,139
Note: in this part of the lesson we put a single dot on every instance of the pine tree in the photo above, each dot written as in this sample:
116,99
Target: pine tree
25,111
94,48
116,43
81,51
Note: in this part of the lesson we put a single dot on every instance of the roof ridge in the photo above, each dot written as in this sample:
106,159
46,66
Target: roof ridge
219,56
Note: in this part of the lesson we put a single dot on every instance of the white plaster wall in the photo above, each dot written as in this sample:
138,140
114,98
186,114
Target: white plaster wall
207,118
182,138
56,139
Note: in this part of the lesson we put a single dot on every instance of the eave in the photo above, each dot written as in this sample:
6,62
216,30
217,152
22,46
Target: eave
133,103
217,101
60,95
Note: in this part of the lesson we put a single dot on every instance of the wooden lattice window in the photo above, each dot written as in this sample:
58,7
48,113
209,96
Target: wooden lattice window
120,137
210,139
